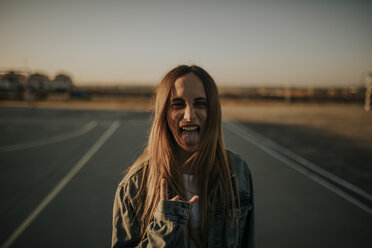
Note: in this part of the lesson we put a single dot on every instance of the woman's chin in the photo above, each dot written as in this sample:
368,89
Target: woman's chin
190,149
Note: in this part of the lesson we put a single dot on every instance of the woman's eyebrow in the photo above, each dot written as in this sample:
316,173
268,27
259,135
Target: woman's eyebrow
176,99
200,99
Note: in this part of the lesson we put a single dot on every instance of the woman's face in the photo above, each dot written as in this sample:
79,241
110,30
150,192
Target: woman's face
187,111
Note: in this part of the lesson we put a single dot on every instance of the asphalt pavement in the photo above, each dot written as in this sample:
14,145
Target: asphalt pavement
59,170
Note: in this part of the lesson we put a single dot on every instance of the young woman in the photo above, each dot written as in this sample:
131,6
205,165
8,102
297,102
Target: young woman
186,189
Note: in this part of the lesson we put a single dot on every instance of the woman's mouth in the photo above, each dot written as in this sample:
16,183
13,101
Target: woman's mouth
190,134
189,128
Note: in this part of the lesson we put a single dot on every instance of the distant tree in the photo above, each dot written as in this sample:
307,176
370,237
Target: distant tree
12,85
39,85
62,83
15,80
38,81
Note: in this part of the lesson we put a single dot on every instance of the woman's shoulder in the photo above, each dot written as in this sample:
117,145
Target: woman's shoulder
131,182
239,163
242,172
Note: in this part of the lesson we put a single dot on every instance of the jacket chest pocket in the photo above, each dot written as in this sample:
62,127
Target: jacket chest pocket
236,227
232,235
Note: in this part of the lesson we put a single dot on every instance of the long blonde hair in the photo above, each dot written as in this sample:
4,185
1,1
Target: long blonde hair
210,161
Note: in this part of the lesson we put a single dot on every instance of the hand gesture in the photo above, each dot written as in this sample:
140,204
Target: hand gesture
164,193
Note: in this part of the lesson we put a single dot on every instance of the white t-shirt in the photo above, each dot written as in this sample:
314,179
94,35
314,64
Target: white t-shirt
191,191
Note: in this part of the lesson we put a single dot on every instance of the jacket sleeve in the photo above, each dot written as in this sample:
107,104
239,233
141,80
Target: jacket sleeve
167,229
249,229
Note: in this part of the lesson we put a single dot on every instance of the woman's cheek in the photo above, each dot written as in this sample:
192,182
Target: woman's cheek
173,122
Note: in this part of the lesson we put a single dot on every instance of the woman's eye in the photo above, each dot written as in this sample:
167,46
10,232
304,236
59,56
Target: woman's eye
178,105
200,104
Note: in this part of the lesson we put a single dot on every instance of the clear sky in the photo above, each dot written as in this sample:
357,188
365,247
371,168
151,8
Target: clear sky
318,42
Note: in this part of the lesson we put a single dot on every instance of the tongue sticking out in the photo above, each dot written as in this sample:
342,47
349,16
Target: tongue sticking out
190,138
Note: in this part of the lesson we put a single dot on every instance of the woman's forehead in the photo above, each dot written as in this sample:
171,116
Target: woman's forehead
188,85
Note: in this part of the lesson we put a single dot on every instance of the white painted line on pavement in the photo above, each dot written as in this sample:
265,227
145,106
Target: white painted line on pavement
50,140
58,188
298,163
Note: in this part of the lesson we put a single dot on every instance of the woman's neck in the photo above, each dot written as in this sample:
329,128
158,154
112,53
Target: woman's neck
182,157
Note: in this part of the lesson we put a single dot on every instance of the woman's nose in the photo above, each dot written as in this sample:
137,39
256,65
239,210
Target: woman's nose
189,113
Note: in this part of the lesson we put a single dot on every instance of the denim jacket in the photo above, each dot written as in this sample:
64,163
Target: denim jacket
170,218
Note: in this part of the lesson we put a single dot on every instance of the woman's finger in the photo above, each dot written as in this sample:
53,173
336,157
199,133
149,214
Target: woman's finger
176,198
194,199
163,190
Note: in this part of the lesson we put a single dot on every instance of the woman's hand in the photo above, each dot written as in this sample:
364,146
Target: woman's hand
164,193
